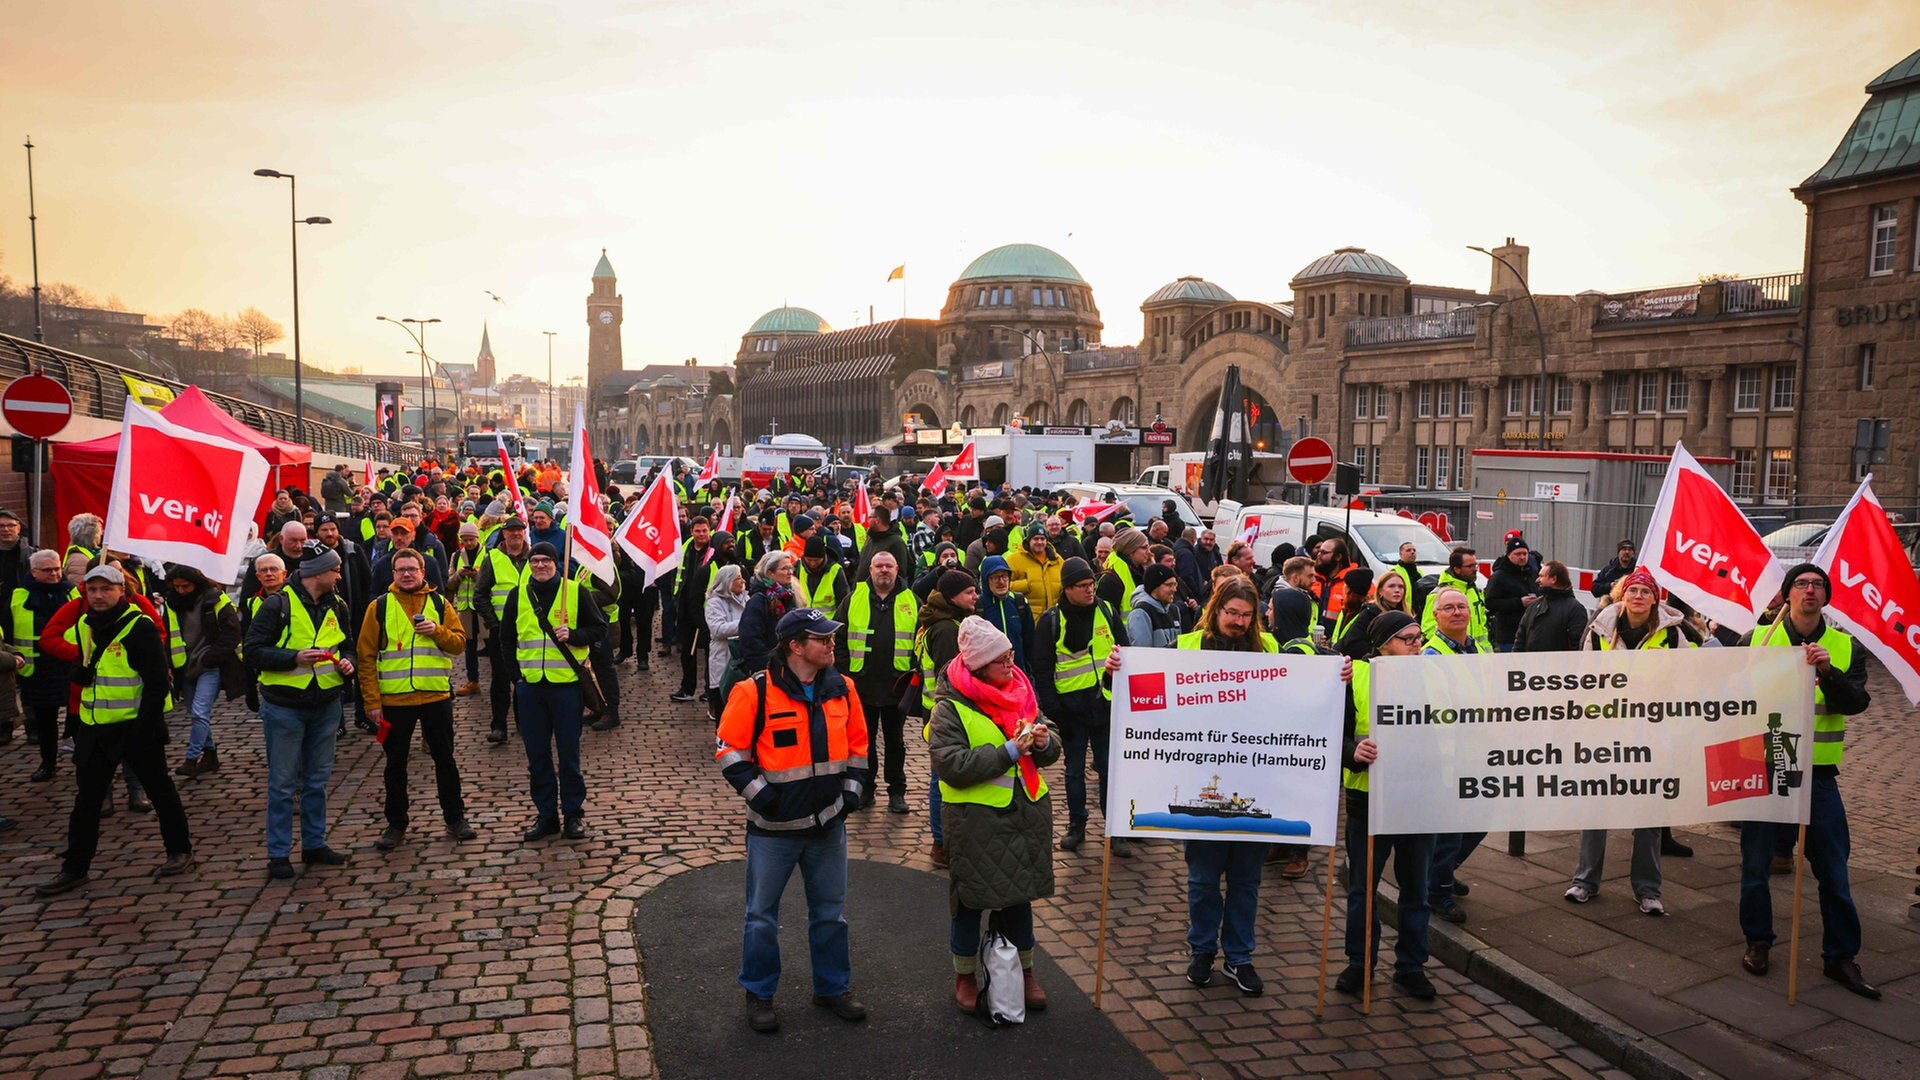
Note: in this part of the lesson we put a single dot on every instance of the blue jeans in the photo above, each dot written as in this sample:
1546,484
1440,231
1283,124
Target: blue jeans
1079,739
823,872
1210,918
963,937
299,750
933,810
1827,849
1507,647
1449,851
550,727
206,688
1412,855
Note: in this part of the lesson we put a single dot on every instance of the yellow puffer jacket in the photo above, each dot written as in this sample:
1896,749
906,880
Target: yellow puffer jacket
1038,581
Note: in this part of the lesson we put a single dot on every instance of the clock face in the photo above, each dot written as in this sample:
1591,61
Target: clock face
606,318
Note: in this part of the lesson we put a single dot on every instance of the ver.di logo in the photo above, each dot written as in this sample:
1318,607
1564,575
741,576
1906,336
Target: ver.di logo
1147,692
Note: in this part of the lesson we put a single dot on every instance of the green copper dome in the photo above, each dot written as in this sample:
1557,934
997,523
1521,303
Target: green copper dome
1024,261
790,320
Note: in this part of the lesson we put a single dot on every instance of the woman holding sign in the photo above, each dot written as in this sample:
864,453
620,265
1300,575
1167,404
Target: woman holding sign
1392,633
1638,621
989,745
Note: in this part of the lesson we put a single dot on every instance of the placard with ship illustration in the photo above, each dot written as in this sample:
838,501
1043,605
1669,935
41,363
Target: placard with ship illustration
1226,746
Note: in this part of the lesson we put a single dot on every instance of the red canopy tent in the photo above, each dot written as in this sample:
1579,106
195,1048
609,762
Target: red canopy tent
83,471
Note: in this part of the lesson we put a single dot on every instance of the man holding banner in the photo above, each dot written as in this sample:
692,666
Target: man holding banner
1451,610
1840,691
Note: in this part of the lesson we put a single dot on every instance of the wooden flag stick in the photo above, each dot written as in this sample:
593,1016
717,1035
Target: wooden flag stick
1793,934
1366,937
1326,930
1100,940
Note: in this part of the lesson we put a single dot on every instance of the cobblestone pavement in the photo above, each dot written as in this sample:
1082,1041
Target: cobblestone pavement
497,958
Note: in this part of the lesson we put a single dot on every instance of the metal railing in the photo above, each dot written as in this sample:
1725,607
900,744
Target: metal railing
99,390
1775,292
1427,326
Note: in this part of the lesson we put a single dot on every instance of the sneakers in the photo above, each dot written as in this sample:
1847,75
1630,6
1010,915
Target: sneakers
280,869
1351,979
1461,888
1076,835
41,774
390,838
966,992
897,804
460,830
175,866
1122,847
1415,983
1651,905
1245,978
1578,894
842,1006
322,856
1755,961
542,828
760,1015
682,695
1449,910
1200,970
62,882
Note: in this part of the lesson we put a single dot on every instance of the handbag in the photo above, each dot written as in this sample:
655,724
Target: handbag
591,696
1003,986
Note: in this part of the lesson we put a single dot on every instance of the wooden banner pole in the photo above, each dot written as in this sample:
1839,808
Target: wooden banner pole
1100,941
1793,934
1326,930
1366,937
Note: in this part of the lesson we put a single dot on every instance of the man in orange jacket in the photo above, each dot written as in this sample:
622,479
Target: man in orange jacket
793,742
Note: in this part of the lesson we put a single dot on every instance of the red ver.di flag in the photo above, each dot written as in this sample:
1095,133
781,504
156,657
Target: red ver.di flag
589,534
1705,551
708,472
1875,594
651,533
964,465
182,496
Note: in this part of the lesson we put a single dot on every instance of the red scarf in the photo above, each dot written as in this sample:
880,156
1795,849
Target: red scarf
1008,706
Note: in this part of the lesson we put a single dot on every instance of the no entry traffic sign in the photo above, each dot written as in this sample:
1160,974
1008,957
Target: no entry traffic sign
37,406
1310,460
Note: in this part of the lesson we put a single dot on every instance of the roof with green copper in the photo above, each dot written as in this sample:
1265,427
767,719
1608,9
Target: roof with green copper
1190,290
603,268
790,320
1885,137
1353,261
1024,261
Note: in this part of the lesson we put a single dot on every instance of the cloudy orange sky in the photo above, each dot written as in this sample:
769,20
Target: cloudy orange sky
731,155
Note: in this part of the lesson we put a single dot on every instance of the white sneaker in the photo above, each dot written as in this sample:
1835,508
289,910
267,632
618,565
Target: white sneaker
1579,894
1651,905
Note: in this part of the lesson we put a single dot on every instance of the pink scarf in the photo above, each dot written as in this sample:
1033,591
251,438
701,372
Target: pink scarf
1007,706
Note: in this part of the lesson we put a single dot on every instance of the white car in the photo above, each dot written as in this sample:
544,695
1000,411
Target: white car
1373,538
1143,502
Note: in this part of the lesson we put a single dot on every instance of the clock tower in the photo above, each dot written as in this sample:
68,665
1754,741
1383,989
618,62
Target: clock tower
603,326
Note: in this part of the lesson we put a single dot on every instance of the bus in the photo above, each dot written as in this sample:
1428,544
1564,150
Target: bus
485,445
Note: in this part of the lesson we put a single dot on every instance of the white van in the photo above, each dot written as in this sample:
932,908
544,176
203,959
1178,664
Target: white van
1181,473
1143,503
1374,538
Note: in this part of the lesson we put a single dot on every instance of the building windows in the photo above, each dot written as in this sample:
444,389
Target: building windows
1381,404
1421,459
1362,397
1779,475
1886,230
1785,387
1562,395
1373,477
1746,390
1466,400
1678,391
983,299
1459,468
1617,394
1425,399
1744,466
1513,397
1443,457
1360,461
1649,398
1534,390
1443,400
1517,389
1866,359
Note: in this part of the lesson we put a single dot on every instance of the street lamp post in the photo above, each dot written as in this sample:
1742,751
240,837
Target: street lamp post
33,232
550,433
1546,401
420,342
293,202
1040,347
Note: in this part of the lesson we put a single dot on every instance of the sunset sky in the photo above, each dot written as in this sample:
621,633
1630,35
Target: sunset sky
734,155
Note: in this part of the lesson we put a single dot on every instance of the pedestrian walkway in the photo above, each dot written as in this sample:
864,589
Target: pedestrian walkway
1671,990
494,958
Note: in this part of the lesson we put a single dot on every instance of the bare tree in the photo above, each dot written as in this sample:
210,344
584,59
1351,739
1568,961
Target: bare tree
198,331
227,334
257,330
61,294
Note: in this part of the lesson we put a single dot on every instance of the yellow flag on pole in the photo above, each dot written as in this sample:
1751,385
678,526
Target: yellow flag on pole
899,272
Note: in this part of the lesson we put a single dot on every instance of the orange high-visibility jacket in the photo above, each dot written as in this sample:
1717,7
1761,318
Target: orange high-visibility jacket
808,766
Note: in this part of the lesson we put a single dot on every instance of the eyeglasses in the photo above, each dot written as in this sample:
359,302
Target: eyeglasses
1810,585
1411,637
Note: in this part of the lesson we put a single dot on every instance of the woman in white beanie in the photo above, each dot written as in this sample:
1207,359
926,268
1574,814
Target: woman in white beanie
988,748
726,602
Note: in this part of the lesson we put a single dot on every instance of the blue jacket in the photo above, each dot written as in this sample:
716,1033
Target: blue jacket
1009,613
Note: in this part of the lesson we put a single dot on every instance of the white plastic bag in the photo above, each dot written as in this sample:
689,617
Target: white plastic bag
1003,987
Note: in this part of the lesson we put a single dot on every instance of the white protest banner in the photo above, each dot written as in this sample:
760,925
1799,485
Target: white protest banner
1627,738
1226,746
